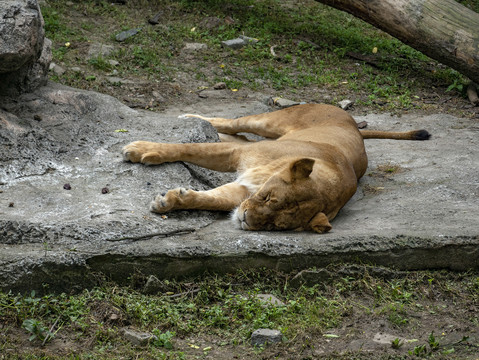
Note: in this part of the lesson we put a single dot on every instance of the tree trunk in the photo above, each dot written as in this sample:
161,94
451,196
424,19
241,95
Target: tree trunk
441,29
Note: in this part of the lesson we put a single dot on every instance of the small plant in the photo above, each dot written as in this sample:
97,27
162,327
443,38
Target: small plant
100,63
36,329
163,339
456,85
419,350
433,343
396,343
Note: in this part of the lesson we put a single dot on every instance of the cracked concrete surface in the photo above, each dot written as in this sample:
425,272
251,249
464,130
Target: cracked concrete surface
417,207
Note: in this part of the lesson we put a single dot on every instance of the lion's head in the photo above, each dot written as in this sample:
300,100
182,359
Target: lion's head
288,200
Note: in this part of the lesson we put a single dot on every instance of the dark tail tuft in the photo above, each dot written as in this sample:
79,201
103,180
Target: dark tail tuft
421,135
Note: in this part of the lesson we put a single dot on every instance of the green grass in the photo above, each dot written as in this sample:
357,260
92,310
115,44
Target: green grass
226,308
311,42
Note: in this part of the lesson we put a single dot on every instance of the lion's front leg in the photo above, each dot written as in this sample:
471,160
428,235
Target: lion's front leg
223,198
146,152
214,156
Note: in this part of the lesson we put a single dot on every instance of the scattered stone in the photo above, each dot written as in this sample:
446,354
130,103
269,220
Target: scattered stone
152,286
233,44
127,34
57,69
116,80
138,338
215,94
345,104
156,19
284,103
239,42
192,47
219,86
265,336
269,300
158,97
105,190
362,124
67,186
97,49
76,69
11,204
310,278
211,22
248,40
113,62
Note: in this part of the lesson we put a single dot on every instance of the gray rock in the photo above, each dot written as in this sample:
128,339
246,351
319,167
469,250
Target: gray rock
239,42
269,300
345,104
63,238
284,103
219,86
265,336
310,278
24,52
57,69
152,286
248,40
193,47
21,26
97,49
138,338
233,43
113,62
117,80
122,36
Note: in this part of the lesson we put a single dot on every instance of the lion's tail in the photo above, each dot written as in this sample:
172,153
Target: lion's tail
406,135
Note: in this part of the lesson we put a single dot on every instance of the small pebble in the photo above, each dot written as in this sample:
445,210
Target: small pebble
67,186
105,190
11,204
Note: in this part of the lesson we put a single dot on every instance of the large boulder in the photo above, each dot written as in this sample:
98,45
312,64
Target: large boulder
25,54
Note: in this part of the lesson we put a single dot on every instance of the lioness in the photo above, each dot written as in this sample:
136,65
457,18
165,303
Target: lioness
299,181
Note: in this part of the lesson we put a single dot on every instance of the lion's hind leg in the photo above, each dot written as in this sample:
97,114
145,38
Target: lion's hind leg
223,198
261,124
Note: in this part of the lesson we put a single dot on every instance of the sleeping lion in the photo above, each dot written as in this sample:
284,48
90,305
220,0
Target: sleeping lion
298,181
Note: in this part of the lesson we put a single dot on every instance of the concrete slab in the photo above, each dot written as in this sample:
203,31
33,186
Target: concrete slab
417,207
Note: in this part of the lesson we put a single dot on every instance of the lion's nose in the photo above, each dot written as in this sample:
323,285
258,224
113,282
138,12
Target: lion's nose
242,218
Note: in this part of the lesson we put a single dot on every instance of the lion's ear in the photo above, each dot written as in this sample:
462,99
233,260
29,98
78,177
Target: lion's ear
300,169
320,224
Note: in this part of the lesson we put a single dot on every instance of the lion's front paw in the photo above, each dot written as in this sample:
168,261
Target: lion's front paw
172,200
142,151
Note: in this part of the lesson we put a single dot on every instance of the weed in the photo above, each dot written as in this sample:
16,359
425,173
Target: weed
433,343
420,350
397,343
36,329
163,339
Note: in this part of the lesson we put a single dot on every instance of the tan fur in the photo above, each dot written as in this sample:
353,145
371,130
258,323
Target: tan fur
299,181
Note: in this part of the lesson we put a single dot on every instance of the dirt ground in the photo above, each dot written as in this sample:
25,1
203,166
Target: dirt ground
193,78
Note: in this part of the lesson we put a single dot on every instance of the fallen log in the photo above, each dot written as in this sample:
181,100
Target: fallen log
441,29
